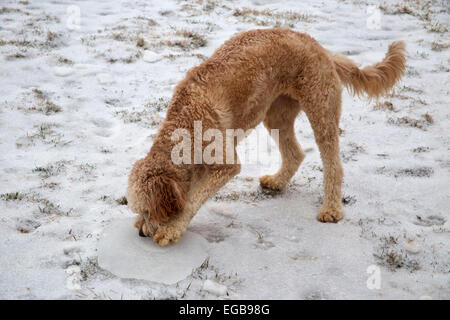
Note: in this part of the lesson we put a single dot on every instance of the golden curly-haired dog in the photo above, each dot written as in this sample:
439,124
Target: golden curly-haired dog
265,75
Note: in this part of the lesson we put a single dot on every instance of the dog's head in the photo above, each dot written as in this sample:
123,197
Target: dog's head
155,194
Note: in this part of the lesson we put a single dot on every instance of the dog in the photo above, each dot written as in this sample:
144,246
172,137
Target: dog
268,76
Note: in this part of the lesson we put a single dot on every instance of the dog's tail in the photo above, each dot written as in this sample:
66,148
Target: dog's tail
374,80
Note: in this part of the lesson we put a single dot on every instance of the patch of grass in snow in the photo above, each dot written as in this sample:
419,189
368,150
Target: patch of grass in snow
147,116
189,40
140,42
413,103
44,17
390,255
63,60
44,205
350,152
418,172
89,268
39,40
159,105
122,201
43,133
128,59
104,149
143,117
411,72
421,149
411,89
422,124
7,10
419,9
348,200
273,18
208,271
442,67
385,106
17,43
423,10
437,27
439,46
15,56
403,94
44,104
201,7
172,56
195,39
52,169
12,196
50,208
27,225
138,33
148,21
250,196
86,170
50,185
105,198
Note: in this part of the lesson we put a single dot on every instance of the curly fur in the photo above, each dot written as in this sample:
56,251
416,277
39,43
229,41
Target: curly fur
374,80
160,194
257,76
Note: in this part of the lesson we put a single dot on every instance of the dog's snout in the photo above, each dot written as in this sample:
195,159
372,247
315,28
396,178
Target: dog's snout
141,233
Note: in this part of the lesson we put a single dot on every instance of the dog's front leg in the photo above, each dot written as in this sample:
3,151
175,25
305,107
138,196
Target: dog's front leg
214,179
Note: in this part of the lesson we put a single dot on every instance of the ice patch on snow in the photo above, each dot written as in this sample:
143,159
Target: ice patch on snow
125,254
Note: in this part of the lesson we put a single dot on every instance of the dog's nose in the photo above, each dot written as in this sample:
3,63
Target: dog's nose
141,233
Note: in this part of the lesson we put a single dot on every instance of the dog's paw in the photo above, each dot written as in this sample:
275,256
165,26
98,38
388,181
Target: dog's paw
166,234
271,182
329,215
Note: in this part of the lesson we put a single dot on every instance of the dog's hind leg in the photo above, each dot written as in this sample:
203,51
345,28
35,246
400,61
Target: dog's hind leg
324,118
281,116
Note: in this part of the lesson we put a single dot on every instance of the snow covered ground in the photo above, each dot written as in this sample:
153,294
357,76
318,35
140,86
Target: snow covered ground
81,100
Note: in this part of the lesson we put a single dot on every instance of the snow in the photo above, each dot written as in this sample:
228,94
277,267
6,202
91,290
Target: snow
73,281
81,102
63,71
150,56
127,256
105,78
411,246
214,288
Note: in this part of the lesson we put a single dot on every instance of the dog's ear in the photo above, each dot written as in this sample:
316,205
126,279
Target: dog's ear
168,197
156,195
